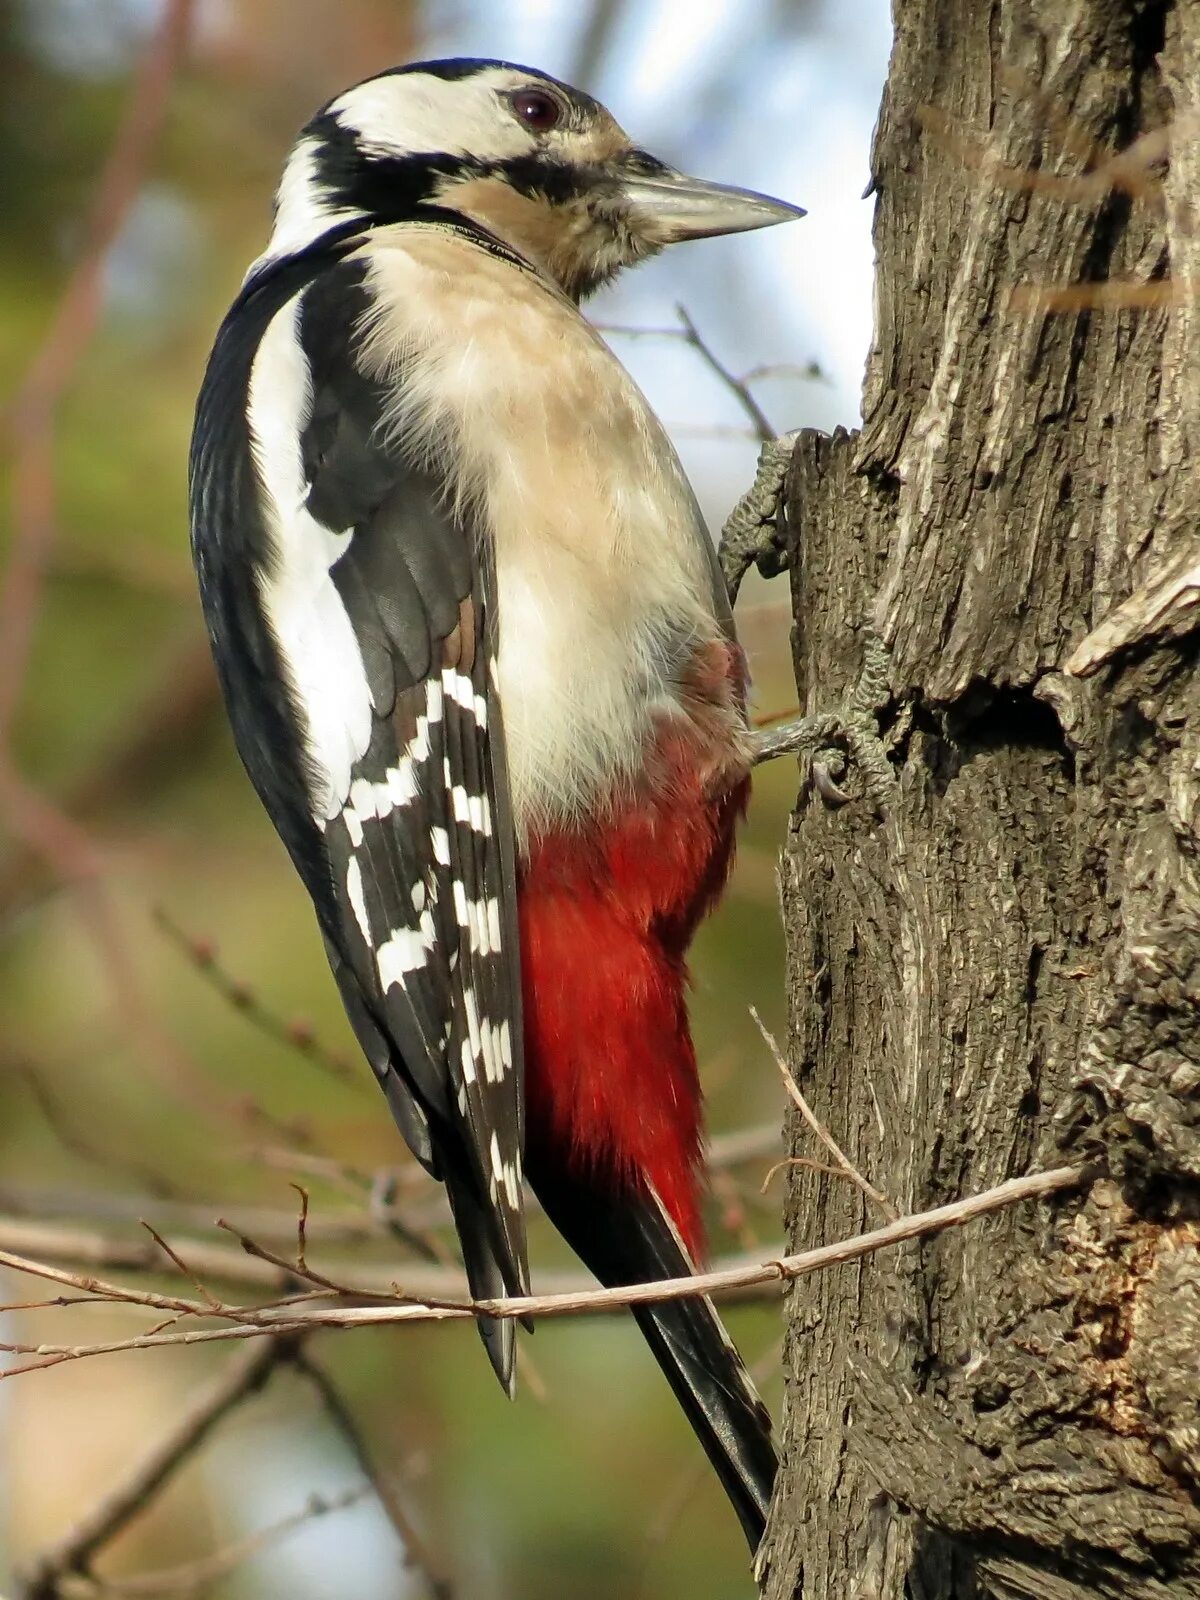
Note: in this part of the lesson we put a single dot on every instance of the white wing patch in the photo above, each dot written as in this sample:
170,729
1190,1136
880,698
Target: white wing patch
316,641
406,951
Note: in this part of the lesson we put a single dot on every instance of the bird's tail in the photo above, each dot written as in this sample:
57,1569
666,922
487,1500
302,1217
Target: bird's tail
485,1275
630,1238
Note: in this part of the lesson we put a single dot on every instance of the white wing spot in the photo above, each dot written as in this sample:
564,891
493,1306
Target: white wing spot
468,1062
358,900
473,809
496,1050
406,951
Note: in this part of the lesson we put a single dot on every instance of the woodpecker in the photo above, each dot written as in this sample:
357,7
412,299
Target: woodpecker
481,668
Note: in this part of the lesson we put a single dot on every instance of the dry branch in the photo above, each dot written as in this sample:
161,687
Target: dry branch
80,1544
48,1244
845,1166
293,1032
196,1578
417,1554
303,1314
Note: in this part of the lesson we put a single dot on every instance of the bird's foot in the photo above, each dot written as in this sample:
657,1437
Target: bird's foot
830,743
753,531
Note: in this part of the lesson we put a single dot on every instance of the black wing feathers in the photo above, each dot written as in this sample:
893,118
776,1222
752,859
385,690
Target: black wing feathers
413,879
422,854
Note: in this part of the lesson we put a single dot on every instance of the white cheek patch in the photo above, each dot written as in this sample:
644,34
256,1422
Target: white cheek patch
410,112
319,652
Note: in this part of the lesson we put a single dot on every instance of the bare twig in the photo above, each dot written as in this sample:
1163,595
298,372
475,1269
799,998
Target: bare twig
297,1269
73,1140
844,1163
295,1034
248,1322
181,1266
799,1161
75,1550
350,1180
738,387
195,1578
47,1243
688,333
416,1552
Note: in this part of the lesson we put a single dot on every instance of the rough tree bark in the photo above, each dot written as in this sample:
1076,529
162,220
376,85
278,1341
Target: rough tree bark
995,966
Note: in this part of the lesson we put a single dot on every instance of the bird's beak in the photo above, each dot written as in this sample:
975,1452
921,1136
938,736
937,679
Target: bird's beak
667,207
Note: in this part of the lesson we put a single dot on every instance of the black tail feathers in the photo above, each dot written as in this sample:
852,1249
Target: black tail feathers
485,1276
628,1239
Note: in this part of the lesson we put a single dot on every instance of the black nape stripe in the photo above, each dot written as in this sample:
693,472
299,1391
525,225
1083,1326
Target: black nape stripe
387,187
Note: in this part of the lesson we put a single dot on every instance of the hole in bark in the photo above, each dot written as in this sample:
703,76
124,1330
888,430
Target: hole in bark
1148,34
991,1397
1031,1104
1033,971
986,719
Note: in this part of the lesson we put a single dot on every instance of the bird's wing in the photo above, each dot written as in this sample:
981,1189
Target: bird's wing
377,603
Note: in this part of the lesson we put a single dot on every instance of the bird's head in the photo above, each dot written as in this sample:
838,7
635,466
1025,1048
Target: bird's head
542,166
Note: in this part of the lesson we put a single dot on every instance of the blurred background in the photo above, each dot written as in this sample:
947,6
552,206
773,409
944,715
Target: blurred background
129,1084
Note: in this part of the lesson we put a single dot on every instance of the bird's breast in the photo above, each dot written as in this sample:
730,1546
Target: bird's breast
608,598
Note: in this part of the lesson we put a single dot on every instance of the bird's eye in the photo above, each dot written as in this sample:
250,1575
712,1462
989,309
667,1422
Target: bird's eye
538,110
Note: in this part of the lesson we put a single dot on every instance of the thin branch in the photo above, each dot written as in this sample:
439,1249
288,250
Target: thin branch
242,1377
294,1269
350,1180
738,387
75,1142
195,1578
101,1290
843,1161
24,1244
295,1033
181,1266
417,1554
248,1322
688,333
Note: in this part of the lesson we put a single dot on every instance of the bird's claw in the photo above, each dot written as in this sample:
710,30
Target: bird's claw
753,532
830,742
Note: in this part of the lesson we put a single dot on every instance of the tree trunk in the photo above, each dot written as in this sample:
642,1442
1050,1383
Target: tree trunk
994,946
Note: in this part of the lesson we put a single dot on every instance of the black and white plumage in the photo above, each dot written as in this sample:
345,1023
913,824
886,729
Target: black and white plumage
358,675
469,625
